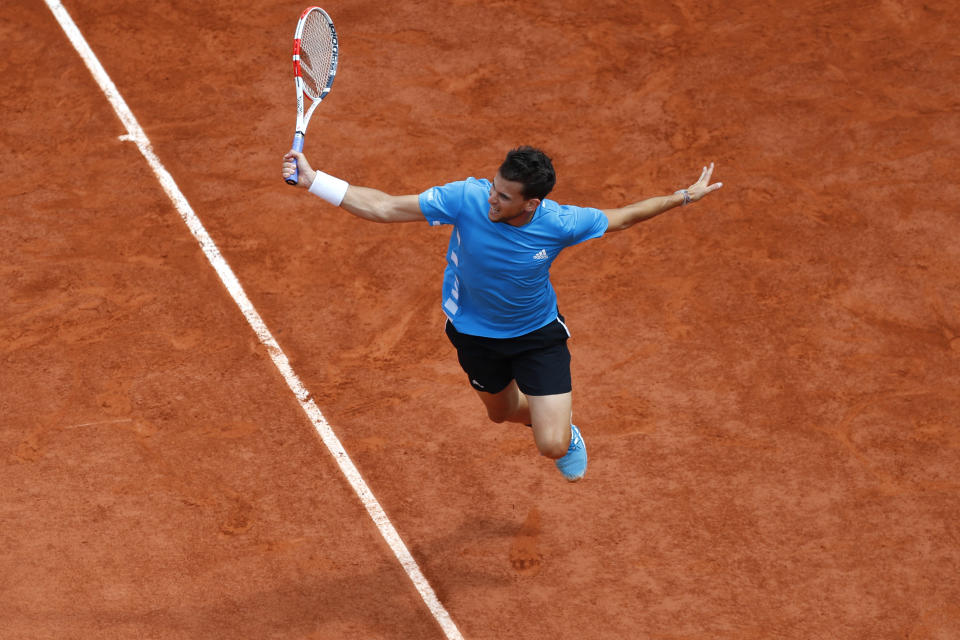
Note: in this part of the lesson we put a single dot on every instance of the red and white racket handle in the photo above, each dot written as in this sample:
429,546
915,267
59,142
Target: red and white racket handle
297,146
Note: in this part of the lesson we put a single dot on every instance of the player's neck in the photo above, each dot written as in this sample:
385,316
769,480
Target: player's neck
521,219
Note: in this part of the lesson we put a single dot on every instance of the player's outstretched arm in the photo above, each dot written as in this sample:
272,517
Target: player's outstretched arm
626,217
363,202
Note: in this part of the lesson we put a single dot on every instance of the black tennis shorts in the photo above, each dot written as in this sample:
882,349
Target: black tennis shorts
539,361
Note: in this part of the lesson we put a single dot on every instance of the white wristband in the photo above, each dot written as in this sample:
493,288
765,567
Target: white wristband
329,188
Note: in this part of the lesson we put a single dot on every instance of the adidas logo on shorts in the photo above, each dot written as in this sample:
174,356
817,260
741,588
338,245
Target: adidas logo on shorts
540,255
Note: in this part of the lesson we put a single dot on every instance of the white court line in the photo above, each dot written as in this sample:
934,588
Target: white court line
136,134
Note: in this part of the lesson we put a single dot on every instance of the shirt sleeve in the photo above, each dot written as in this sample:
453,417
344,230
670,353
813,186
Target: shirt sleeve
588,223
441,205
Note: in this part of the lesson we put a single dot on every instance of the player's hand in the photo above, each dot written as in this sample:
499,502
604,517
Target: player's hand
702,186
305,179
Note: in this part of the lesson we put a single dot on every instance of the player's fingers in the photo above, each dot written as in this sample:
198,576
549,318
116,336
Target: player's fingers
301,160
707,173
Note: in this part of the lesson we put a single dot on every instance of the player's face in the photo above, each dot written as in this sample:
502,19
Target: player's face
507,203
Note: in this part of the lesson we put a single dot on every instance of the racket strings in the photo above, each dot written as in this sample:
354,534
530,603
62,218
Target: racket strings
316,55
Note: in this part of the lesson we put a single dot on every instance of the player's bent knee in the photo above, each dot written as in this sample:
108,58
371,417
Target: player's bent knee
498,412
553,448
497,415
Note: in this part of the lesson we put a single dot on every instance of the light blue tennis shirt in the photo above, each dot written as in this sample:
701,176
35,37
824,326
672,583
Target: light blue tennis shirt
497,280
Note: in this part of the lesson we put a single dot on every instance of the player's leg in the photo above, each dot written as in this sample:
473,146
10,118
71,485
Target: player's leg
550,419
542,373
556,436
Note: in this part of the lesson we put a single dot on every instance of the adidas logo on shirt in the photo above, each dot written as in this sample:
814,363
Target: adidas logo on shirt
540,255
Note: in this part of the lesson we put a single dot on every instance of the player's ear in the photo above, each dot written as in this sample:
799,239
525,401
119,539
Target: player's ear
531,205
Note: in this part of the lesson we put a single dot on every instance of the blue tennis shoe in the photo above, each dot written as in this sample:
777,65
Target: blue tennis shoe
574,464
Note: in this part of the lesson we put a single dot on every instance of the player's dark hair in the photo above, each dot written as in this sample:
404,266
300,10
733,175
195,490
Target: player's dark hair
533,168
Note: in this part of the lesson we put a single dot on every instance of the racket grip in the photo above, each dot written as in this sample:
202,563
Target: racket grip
297,146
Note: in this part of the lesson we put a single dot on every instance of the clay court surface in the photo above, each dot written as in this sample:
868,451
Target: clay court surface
767,381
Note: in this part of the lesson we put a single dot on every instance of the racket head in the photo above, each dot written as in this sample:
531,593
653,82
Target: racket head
316,52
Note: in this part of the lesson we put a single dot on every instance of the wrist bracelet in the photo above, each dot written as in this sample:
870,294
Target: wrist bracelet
686,196
329,188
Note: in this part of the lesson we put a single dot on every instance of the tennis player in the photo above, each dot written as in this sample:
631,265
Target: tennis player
501,308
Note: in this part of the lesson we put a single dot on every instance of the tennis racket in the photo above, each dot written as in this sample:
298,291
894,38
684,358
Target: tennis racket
315,53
